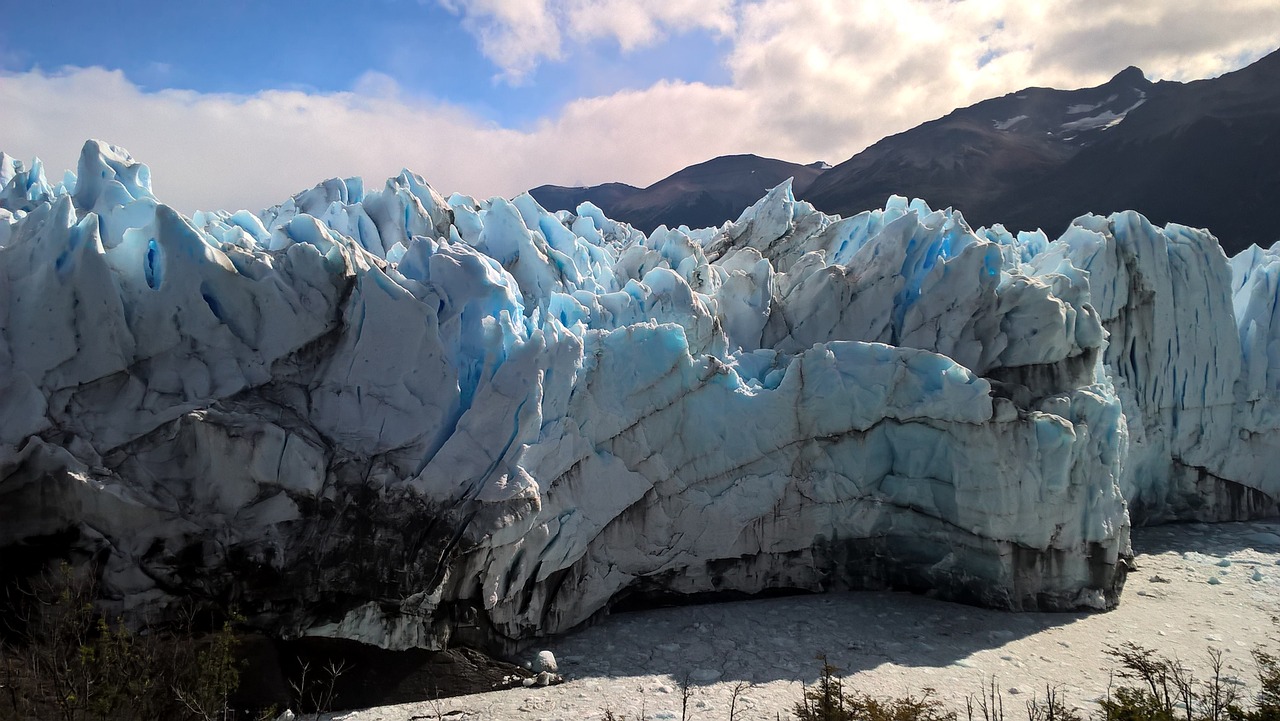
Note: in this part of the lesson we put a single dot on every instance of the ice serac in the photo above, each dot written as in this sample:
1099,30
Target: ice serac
1190,337
411,420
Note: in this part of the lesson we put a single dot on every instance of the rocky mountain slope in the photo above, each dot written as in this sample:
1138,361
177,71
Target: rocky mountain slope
1198,153
699,196
974,156
1201,153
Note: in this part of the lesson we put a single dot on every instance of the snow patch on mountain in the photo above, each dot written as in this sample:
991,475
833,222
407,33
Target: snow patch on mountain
1006,124
1105,119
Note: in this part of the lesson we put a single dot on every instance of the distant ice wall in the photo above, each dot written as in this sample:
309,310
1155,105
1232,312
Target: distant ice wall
412,420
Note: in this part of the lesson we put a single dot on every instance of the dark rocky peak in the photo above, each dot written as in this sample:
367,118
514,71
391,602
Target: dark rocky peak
1131,76
701,195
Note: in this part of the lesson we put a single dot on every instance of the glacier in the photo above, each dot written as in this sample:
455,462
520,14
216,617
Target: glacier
417,421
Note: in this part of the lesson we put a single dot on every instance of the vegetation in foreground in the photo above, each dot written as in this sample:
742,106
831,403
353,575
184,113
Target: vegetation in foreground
1158,688
1155,688
62,659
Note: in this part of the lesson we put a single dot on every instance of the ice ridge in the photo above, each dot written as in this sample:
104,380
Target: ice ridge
411,420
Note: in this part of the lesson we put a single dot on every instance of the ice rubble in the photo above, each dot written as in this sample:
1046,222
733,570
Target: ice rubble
413,420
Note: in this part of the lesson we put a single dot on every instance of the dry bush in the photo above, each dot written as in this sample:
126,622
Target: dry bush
62,659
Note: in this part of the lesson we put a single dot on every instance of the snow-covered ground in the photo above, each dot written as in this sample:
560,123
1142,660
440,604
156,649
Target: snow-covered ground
1196,587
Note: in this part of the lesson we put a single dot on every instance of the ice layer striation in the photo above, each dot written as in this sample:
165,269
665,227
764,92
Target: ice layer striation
416,421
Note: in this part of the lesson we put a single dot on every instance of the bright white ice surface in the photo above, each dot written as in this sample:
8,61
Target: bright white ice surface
537,412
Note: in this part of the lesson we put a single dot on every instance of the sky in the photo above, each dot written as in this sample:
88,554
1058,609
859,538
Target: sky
241,103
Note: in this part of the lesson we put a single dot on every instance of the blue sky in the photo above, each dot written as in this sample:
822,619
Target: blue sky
242,103
245,47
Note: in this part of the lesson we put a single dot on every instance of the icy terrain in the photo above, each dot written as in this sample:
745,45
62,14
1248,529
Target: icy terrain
1197,587
413,420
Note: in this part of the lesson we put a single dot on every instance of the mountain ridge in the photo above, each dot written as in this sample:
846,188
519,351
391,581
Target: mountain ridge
701,195
1199,153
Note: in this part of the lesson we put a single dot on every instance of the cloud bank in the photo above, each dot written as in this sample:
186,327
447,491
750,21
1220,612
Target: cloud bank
810,79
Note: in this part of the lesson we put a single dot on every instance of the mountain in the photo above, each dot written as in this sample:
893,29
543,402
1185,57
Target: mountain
699,196
1198,153
1204,154
972,156
606,196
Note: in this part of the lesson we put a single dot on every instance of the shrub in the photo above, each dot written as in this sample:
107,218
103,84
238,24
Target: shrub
1053,707
1268,698
215,674
1162,689
316,691
827,700
1168,691
63,659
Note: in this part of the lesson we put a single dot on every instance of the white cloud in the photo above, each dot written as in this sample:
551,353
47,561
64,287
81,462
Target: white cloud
825,78
233,151
1183,40
835,76
811,79
636,23
517,35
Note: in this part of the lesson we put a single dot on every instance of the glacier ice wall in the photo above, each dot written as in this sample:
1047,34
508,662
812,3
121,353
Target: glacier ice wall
413,420
1190,351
